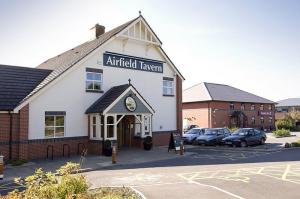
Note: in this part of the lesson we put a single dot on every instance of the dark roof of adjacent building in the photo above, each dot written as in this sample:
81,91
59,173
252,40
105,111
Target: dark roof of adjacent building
16,83
288,102
107,98
220,92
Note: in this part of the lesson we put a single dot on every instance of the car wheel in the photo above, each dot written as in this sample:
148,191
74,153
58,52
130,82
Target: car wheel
243,144
262,141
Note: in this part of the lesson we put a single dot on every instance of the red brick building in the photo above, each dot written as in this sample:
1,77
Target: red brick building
217,105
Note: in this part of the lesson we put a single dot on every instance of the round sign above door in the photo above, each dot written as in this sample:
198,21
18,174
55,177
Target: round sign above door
130,104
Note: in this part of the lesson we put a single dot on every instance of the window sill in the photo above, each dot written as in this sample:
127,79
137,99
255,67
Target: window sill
94,91
168,95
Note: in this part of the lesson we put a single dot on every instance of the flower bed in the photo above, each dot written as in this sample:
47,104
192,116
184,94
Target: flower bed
282,133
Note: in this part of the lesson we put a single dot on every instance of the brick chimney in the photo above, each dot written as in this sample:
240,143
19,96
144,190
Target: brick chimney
99,30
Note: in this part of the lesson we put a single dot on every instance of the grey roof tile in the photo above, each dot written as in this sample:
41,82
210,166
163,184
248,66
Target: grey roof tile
220,92
105,100
61,63
16,83
288,102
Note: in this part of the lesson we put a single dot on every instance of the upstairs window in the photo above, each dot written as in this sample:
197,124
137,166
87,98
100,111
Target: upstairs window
252,107
54,124
242,106
94,80
270,107
261,107
231,106
168,86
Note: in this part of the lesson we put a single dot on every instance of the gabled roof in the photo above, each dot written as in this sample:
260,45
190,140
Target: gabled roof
288,102
220,92
16,83
61,63
100,105
107,99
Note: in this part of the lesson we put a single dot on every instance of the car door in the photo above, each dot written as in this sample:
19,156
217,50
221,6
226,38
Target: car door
250,138
220,135
258,136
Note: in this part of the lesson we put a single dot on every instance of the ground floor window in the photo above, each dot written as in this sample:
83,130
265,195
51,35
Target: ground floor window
253,120
54,124
262,120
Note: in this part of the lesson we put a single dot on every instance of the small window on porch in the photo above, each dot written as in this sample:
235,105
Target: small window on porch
94,126
110,127
138,126
147,125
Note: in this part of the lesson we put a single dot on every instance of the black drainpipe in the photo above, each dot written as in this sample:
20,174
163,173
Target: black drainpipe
10,135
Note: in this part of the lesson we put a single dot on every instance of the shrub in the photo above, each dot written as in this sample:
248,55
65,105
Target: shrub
295,144
47,185
284,124
233,129
282,132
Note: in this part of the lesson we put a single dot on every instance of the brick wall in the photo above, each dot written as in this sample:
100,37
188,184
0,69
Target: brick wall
161,138
38,148
179,103
217,113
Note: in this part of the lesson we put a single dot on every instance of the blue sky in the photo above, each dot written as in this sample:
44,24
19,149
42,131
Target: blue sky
253,45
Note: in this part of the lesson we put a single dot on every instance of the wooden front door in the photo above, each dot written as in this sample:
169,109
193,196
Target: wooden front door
126,131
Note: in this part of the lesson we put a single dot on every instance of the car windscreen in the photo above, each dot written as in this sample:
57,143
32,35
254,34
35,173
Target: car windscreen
241,132
193,131
210,132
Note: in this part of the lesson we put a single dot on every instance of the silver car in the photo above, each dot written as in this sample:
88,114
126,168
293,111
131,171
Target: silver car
190,136
213,136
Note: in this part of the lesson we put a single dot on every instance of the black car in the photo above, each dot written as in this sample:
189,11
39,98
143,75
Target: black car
245,137
212,136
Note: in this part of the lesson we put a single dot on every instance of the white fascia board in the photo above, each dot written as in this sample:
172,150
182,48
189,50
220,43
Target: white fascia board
120,34
171,64
57,79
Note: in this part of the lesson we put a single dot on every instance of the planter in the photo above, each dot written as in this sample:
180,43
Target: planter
107,148
148,143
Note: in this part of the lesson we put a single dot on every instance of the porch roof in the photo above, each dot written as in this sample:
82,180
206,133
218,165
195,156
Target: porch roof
105,100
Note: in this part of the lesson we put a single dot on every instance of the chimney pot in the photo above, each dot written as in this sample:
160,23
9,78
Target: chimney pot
99,30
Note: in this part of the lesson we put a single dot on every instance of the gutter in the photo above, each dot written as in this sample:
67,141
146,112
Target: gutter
10,135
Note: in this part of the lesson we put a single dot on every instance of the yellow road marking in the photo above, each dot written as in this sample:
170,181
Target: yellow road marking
287,169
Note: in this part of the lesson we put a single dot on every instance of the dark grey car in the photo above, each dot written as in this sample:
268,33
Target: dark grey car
213,136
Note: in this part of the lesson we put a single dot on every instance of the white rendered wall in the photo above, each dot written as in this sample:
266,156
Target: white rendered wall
68,94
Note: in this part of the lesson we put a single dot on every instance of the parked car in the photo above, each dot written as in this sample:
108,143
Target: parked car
189,127
190,136
213,136
245,137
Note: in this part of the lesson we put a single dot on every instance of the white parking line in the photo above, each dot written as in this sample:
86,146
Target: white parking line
217,188
287,169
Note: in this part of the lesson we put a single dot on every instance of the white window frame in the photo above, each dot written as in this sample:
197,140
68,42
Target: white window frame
92,125
167,87
93,81
54,126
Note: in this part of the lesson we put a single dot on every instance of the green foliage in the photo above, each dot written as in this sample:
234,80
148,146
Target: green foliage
282,133
47,185
295,144
65,184
284,124
233,129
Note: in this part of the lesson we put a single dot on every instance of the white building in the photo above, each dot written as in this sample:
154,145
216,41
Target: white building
120,86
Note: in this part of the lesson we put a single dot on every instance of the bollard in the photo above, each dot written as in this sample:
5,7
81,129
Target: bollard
114,154
181,148
1,167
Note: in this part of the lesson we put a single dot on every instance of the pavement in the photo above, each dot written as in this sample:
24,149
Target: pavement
209,172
